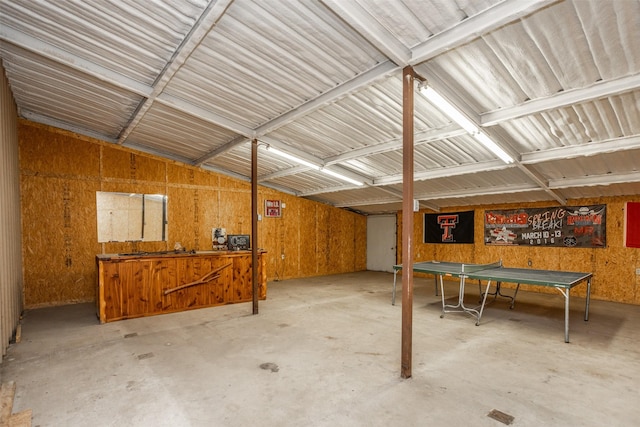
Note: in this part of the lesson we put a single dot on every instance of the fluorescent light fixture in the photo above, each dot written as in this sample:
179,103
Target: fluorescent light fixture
443,105
312,165
292,158
342,177
488,142
454,114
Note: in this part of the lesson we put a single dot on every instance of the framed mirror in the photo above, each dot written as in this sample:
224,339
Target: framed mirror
131,217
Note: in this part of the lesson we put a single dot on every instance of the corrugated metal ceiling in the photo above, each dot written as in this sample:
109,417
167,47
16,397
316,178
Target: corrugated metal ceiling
555,83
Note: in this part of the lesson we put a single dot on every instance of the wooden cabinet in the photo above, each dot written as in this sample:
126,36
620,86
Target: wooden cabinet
143,285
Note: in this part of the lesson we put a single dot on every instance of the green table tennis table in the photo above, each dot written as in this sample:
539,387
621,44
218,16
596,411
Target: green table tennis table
495,272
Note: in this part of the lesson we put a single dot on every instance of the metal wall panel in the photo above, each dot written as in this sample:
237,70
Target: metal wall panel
11,279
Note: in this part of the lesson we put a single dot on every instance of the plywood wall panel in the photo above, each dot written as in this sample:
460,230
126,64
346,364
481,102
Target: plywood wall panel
341,250
360,240
308,220
181,212
144,168
289,236
116,163
67,207
44,151
613,267
323,239
198,201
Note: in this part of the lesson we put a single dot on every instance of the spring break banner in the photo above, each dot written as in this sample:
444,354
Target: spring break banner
567,226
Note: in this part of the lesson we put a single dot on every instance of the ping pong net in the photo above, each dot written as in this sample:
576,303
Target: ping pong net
475,268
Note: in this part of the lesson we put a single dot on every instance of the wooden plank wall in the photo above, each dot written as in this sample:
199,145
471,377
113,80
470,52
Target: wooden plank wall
613,267
62,171
11,279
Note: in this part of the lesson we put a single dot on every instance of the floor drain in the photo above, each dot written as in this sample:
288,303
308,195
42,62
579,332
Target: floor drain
131,335
501,416
270,367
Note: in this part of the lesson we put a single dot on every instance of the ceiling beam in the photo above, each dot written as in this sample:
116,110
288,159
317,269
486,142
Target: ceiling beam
424,137
235,142
583,150
367,78
595,180
371,29
475,26
49,51
458,101
206,115
205,23
398,195
562,99
341,187
284,172
378,201
490,191
445,172
45,120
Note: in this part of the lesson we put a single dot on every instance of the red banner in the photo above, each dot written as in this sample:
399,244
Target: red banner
566,226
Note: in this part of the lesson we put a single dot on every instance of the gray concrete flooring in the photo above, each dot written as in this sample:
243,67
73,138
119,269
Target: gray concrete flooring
326,351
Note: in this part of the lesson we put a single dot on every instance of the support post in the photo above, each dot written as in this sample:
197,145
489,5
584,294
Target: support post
407,220
254,224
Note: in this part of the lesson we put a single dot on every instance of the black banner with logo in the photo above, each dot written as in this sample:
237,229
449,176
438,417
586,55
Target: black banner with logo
566,226
456,227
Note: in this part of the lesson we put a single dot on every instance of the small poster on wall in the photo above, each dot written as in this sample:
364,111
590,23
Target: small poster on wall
272,208
455,227
565,226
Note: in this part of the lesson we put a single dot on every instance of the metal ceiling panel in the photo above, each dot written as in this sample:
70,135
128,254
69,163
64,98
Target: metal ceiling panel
598,120
264,59
617,163
130,37
555,83
414,21
595,191
494,199
176,133
45,89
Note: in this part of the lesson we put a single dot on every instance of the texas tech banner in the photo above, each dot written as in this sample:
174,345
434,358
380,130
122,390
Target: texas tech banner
567,226
456,227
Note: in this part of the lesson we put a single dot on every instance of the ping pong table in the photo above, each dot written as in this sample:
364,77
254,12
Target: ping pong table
563,281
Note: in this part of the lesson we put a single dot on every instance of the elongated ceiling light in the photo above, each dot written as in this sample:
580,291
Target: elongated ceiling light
454,114
313,165
293,158
342,177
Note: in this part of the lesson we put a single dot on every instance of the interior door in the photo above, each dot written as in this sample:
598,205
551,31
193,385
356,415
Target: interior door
381,242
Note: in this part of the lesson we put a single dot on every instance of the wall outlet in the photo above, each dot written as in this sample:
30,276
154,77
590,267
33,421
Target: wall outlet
637,271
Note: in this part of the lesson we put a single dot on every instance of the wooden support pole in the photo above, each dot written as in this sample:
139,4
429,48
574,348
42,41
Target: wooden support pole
407,220
254,223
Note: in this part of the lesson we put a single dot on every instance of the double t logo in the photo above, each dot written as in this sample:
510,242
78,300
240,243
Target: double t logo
448,223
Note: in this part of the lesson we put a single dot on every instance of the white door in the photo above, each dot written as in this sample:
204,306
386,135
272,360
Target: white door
381,242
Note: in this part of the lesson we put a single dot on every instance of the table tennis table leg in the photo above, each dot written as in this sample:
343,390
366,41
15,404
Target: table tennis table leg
586,307
566,316
565,293
393,293
442,295
498,292
484,300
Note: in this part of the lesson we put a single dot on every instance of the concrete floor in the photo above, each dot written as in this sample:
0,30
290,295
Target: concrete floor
325,351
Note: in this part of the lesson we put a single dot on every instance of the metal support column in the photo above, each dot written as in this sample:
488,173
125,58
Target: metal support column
407,220
254,224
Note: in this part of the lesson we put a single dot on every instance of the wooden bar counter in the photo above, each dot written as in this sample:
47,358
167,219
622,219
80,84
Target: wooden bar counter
137,285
